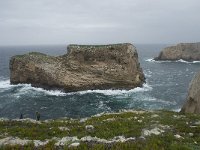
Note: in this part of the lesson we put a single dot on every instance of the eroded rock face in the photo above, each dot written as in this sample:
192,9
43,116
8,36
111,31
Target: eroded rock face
185,51
192,104
84,67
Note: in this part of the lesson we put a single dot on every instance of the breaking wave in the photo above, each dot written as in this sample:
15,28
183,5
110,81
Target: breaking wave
180,60
26,88
152,99
177,110
5,84
145,87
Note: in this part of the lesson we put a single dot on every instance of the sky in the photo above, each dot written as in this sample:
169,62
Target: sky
35,22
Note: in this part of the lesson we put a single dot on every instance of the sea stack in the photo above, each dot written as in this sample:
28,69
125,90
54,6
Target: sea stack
184,51
192,104
84,67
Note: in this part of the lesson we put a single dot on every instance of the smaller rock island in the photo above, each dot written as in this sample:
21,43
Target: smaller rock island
84,67
184,51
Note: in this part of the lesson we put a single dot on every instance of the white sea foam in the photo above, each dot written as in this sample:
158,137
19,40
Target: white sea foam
188,62
43,107
152,99
177,110
145,87
148,73
27,88
180,60
5,84
103,106
150,60
196,62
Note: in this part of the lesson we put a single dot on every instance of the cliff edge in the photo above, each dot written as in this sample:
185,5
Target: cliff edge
185,51
192,104
84,67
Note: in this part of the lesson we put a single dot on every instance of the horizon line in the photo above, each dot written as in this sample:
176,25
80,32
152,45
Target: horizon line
61,44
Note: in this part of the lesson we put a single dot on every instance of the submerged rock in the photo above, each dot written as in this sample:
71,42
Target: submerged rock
84,67
192,104
184,51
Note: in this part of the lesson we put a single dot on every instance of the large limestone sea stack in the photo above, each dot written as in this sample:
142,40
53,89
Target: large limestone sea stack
84,67
192,104
184,51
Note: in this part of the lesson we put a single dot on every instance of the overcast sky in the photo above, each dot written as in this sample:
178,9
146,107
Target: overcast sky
24,22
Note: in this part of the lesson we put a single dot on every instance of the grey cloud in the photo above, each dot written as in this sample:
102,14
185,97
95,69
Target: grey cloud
94,21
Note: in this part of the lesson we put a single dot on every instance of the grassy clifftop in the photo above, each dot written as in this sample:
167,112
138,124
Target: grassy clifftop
35,56
123,130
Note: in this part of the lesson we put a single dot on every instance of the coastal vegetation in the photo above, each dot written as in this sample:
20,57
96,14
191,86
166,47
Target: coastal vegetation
123,130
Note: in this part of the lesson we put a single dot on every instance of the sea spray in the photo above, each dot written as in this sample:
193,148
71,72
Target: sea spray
25,88
168,61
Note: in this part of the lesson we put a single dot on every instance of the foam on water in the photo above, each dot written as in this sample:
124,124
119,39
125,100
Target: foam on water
196,62
177,110
27,88
152,99
5,84
145,87
103,106
150,60
167,89
180,60
148,73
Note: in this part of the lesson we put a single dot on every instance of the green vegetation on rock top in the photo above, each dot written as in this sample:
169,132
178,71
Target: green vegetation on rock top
36,53
30,53
84,46
36,57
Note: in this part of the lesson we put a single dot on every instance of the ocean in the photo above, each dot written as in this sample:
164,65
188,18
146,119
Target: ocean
166,88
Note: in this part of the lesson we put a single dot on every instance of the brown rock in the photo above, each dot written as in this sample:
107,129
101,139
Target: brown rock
185,51
192,104
84,67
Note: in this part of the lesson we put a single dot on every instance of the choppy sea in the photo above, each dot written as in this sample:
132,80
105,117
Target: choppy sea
165,88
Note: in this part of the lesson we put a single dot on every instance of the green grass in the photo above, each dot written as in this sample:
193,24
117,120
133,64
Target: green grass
98,46
36,57
107,126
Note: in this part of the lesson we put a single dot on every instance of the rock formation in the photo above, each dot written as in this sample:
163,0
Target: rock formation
84,67
185,51
192,104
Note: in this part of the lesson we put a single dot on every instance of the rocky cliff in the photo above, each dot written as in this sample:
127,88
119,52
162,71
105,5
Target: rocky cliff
84,67
185,51
192,104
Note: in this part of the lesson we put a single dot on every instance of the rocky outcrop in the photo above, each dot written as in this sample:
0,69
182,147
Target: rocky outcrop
185,51
84,67
192,104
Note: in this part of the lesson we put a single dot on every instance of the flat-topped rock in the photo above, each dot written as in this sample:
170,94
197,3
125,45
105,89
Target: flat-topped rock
84,67
192,104
184,51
